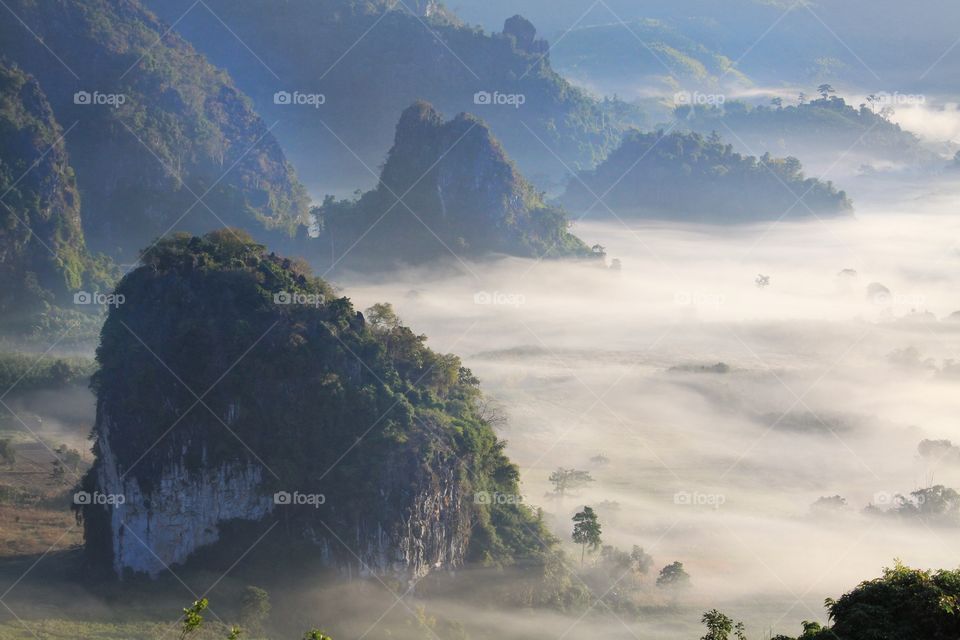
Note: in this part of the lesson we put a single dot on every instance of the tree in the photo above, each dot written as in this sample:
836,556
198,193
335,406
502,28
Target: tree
192,620
586,531
7,453
777,102
718,625
802,98
254,607
825,90
673,576
382,317
316,634
642,561
565,479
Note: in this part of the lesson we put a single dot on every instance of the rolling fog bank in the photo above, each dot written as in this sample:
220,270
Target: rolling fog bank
713,406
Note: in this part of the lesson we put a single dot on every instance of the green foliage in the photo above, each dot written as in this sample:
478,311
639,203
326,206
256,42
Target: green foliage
325,380
587,531
30,372
410,58
827,123
446,188
181,131
254,606
316,634
192,618
564,480
43,256
642,561
673,576
690,176
718,625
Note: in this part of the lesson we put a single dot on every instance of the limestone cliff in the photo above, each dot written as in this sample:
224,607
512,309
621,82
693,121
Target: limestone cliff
236,388
447,188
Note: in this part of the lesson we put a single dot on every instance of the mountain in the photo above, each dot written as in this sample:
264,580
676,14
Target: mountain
872,45
43,256
160,138
369,60
826,126
337,426
687,176
642,59
446,188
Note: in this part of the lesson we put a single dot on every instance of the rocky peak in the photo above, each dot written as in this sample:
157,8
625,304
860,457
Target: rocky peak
524,35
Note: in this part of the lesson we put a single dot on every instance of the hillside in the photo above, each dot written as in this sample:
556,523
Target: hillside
384,434
826,125
370,60
43,256
156,126
446,188
642,58
690,177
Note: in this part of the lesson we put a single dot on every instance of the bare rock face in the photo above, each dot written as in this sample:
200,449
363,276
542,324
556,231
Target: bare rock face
362,443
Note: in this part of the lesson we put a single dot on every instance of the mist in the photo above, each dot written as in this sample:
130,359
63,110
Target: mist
827,389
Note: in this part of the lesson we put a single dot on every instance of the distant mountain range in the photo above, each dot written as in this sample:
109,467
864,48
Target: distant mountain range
370,60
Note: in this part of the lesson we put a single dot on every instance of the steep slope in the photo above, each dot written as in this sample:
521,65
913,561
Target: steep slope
370,60
690,177
153,126
369,447
446,187
43,257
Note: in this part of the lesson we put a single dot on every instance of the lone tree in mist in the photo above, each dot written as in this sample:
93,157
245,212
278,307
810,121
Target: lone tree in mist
567,479
254,607
586,531
642,561
673,576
